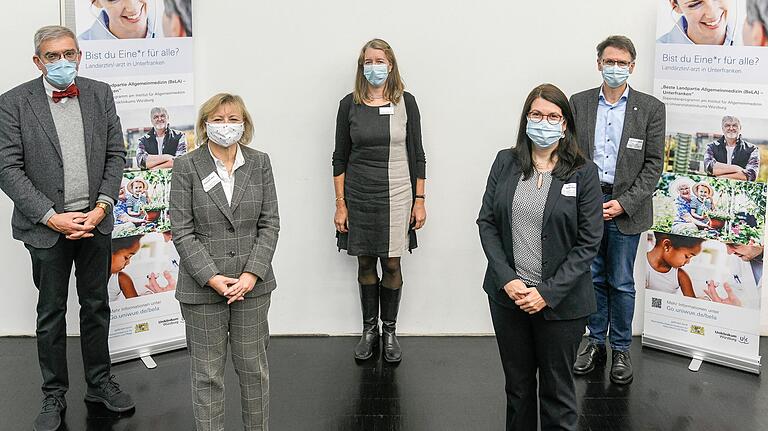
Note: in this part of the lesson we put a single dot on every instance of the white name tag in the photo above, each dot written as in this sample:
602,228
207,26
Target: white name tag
569,189
635,144
386,110
210,181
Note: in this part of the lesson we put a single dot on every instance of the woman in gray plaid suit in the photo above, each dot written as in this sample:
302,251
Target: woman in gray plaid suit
225,227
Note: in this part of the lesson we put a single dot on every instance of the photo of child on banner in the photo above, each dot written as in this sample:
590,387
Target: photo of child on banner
705,269
725,210
142,205
138,269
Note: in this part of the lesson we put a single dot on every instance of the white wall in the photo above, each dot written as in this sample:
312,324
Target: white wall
470,66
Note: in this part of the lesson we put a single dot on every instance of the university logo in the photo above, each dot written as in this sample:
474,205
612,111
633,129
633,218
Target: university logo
141,327
697,330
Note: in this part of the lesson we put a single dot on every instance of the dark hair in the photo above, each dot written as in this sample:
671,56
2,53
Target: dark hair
678,241
619,42
569,157
125,242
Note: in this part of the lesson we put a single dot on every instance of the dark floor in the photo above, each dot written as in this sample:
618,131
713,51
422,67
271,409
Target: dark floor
443,383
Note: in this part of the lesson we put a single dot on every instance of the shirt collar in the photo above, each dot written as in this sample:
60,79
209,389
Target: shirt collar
239,160
49,89
624,96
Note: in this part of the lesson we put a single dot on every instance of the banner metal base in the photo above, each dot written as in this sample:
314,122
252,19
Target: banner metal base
697,353
146,351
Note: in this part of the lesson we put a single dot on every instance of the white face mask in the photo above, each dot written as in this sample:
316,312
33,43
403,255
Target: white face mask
225,134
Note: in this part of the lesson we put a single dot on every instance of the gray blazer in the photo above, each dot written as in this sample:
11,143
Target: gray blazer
214,237
637,171
31,167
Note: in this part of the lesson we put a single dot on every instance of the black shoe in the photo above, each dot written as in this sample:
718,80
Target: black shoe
390,303
592,355
110,394
49,418
621,368
369,301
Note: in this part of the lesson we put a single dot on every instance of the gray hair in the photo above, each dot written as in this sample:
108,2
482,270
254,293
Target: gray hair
183,9
730,118
757,10
51,32
158,110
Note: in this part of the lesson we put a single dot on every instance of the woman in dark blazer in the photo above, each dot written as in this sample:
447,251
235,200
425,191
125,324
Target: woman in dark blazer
225,228
540,227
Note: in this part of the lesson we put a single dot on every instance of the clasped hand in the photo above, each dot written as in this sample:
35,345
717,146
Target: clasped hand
234,289
77,225
527,298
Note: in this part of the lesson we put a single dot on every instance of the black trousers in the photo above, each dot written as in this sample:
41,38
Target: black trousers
51,268
527,344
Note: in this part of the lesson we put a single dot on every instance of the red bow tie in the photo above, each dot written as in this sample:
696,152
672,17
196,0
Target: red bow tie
71,91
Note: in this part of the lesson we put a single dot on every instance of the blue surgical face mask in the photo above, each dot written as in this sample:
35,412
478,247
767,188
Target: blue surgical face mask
376,74
615,76
61,73
543,134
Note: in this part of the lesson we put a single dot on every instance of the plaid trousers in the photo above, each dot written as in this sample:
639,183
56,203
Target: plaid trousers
210,328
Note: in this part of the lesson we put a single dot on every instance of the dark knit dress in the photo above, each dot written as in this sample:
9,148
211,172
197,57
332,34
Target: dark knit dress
380,152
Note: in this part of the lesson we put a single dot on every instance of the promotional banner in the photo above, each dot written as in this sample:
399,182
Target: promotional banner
143,50
704,258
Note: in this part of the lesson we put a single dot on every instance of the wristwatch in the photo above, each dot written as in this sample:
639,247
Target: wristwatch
104,206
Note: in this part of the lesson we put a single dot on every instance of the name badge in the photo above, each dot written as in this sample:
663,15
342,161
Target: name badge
635,144
210,181
569,189
387,110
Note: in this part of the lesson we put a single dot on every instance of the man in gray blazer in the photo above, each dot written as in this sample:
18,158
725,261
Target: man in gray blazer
622,131
61,161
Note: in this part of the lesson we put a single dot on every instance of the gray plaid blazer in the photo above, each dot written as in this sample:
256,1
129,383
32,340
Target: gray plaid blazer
637,171
214,237
31,168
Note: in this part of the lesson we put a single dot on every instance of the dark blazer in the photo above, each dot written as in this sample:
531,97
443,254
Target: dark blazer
570,236
214,237
31,167
637,171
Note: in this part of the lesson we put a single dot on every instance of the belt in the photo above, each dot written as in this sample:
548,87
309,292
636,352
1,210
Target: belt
606,188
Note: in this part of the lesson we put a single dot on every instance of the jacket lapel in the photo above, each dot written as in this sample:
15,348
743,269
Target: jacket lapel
508,188
38,100
592,120
629,121
552,197
242,177
87,105
205,166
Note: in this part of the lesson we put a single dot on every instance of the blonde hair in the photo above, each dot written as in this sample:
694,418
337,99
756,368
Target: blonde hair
212,105
393,87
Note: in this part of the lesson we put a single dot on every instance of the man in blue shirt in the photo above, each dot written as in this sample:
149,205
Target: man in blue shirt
622,131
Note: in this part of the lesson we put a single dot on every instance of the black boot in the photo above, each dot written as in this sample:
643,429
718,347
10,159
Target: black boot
369,301
390,303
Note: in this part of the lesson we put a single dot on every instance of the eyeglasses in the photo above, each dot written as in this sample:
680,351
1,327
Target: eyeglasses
69,55
621,64
552,118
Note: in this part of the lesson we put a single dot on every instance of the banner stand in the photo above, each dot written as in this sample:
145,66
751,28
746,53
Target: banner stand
700,354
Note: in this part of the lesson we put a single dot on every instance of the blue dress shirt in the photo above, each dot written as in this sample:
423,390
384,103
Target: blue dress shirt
608,129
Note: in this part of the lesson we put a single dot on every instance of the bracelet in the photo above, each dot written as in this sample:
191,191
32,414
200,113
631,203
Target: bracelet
421,197
340,198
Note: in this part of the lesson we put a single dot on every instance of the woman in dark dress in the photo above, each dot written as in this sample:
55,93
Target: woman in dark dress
378,176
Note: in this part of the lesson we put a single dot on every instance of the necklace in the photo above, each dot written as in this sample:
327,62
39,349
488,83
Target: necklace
540,175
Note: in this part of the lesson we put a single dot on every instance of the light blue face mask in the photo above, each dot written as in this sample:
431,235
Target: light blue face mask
61,73
615,76
376,74
543,134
